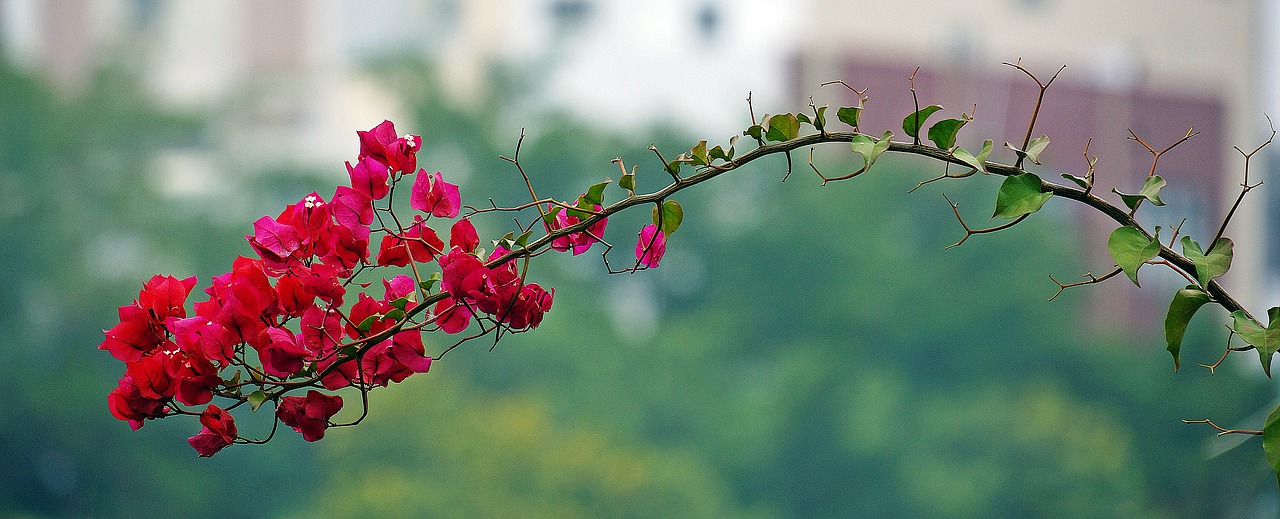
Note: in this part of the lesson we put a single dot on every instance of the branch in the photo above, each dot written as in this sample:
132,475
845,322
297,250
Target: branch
970,232
1245,187
1090,281
1222,431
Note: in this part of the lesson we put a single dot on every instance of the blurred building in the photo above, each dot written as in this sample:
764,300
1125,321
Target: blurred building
1156,67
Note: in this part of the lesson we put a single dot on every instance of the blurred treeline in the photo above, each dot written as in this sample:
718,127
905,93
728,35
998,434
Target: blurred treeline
802,352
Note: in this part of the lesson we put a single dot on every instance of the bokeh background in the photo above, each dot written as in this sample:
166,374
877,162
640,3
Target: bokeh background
803,351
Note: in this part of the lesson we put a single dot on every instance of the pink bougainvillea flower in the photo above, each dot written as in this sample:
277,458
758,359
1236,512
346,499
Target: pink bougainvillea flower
135,335
400,286
309,415
351,208
164,296
201,337
282,354
651,247
579,242
455,268
311,221
127,403
463,235
408,351
349,247
369,178
382,143
274,242
321,330
419,243
452,316
439,198
364,308
218,430
195,378
151,375
292,296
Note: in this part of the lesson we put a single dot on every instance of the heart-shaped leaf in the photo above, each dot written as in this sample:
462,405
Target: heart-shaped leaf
1271,440
1019,195
869,147
978,162
943,133
1208,266
1131,249
1150,191
912,123
1265,340
1184,305
672,215
1034,148
850,115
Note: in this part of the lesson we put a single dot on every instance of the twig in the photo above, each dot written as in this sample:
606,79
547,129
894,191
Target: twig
970,232
1039,101
1092,280
1222,431
1245,187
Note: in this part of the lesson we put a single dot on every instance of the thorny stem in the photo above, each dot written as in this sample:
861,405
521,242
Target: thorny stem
1092,280
1155,156
1222,431
704,174
915,101
955,207
1245,187
1039,100
1230,333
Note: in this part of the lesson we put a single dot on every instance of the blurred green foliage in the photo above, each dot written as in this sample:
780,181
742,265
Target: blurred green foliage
802,352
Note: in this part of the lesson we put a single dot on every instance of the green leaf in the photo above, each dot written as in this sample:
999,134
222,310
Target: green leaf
869,148
755,131
943,133
1212,265
699,154
1131,249
912,123
256,399
1271,440
399,304
782,127
367,323
550,216
505,240
820,120
1019,195
580,211
979,162
1184,305
672,215
1265,340
1080,181
595,193
1034,148
849,115
1150,191
719,153
628,181
430,282
523,238
395,314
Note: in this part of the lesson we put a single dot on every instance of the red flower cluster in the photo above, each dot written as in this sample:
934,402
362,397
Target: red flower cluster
283,321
